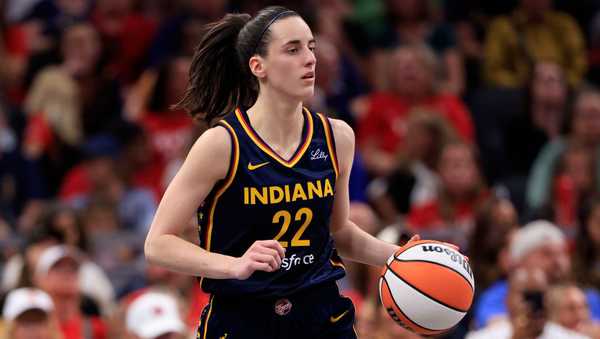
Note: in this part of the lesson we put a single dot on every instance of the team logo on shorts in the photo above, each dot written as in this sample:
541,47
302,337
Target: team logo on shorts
283,306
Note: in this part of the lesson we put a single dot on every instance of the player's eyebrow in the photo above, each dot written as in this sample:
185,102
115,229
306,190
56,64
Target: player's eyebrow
298,42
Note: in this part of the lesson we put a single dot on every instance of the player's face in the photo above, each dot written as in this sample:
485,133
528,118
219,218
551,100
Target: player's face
290,61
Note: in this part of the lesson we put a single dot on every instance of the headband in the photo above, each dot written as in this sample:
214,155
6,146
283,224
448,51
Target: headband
269,25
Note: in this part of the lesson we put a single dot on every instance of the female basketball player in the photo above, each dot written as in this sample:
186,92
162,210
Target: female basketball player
269,184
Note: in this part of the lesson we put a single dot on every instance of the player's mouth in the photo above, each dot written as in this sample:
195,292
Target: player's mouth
309,76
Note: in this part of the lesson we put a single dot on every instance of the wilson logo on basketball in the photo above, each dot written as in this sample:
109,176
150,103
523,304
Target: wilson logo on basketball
427,287
454,256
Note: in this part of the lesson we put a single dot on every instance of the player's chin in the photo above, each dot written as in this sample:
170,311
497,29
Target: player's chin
306,93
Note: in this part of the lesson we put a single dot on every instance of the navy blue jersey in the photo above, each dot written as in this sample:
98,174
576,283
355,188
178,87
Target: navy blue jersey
267,197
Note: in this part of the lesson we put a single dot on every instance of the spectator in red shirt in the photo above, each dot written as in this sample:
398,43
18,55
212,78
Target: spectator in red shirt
415,179
56,273
127,35
169,130
573,183
382,128
451,216
166,132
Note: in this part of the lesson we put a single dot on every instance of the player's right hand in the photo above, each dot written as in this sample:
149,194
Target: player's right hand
263,255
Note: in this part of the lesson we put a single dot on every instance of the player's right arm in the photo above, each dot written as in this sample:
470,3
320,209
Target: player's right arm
206,163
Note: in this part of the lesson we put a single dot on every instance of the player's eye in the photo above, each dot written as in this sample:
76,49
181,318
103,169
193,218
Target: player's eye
292,50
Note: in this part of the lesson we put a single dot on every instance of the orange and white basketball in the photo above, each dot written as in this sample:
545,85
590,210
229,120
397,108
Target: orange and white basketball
427,287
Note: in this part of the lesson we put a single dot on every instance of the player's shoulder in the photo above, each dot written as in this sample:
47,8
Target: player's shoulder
212,150
342,132
218,137
343,135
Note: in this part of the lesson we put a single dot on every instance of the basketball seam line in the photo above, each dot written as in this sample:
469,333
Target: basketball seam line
406,248
404,314
436,263
425,295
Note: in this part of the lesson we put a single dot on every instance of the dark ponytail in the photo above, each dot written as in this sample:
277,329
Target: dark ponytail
219,78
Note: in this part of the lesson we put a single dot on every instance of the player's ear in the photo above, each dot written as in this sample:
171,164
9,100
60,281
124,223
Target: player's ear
257,66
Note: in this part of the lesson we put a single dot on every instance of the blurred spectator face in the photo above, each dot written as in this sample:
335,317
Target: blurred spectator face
541,245
553,259
536,6
81,48
426,134
32,324
549,86
62,279
458,169
412,74
419,138
593,224
28,311
101,170
579,167
57,272
327,69
178,78
505,219
138,151
171,336
193,31
101,217
66,222
586,120
114,7
73,8
210,9
408,9
567,306
504,213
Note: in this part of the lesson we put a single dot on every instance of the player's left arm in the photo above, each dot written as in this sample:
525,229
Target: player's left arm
350,240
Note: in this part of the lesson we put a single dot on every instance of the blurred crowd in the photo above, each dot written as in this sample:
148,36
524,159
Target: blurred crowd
477,123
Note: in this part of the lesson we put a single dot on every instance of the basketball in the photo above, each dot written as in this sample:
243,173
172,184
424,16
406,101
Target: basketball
427,287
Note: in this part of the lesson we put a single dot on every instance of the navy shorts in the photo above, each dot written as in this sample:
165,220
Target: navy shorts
319,312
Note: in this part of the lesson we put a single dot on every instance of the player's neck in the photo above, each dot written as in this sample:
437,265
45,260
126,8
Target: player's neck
277,121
